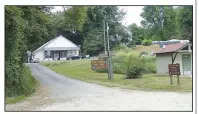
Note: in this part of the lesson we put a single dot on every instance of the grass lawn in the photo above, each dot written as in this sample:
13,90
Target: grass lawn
141,48
81,69
13,100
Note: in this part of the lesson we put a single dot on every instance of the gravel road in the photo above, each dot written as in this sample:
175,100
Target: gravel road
60,93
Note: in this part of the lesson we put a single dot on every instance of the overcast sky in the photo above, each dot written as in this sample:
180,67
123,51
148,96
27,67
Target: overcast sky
132,14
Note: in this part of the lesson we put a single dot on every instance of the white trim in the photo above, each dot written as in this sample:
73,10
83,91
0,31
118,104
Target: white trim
46,44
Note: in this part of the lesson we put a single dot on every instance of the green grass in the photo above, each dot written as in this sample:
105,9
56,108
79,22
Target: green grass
19,92
13,100
81,69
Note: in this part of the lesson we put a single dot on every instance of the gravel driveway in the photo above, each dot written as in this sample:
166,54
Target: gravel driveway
62,93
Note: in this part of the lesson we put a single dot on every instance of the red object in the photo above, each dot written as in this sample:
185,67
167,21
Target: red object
170,48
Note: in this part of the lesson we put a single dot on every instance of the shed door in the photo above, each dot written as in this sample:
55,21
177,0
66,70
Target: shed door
186,62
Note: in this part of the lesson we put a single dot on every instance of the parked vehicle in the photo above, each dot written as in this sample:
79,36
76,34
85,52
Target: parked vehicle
35,60
73,57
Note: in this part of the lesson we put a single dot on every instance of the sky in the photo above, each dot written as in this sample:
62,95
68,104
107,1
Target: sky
132,14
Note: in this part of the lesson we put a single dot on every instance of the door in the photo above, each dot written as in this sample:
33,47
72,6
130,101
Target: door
56,55
186,64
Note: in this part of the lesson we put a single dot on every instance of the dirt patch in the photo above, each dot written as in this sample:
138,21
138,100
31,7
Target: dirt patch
39,98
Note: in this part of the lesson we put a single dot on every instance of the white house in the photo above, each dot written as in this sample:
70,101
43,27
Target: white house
174,53
56,49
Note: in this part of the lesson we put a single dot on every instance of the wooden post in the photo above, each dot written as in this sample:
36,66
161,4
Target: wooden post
171,80
178,78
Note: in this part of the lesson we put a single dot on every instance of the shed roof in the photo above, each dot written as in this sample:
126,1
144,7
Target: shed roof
171,48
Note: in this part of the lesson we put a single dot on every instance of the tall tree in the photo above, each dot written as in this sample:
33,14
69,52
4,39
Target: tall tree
25,29
95,16
138,34
69,23
153,22
184,22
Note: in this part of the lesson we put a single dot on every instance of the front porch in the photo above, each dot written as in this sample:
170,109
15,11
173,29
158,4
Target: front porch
59,54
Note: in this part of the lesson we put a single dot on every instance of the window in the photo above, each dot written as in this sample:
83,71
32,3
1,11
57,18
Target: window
63,54
48,56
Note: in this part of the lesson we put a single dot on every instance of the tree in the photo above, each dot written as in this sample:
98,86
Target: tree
184,22
25,29
75,17
94,22
138,34
153,22
69,23
94,43
14,48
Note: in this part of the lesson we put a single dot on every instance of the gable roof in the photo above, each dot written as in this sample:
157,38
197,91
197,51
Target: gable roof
58,43
171,48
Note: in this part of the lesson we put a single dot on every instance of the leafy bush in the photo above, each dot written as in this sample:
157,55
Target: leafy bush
131,64
150,67
135,67
119,47
119,63
21,84
146,42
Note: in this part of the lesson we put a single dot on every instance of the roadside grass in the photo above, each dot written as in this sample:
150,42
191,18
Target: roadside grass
13,100
81,69
27,87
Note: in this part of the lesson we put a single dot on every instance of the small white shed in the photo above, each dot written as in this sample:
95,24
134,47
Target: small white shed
174,53
56,49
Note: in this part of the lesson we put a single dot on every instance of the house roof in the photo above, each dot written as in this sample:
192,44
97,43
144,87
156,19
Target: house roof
60,43
171,48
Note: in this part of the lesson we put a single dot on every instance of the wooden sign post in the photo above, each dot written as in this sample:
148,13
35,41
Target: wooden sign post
174,69
98,64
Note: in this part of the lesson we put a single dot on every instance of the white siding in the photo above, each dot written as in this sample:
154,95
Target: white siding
77,52
39,54
60,42
162,61
179,60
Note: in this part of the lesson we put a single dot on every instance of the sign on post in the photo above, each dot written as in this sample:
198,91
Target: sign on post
98,64
174,69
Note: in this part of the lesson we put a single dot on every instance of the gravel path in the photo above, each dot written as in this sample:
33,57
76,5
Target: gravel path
67,94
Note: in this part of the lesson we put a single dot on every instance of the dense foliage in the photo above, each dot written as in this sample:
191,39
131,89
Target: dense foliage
146,42
28,27
131,64
174,23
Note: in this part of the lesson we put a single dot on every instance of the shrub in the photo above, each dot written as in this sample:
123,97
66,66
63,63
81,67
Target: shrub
131,64
146,42
119,64
119,47
21,84
150,67
135,67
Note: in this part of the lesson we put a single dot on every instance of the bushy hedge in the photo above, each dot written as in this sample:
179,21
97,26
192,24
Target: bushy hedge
22,83
132,65
135,66
146,42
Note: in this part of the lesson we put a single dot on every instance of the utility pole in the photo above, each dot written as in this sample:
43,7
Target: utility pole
110,70
104,38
